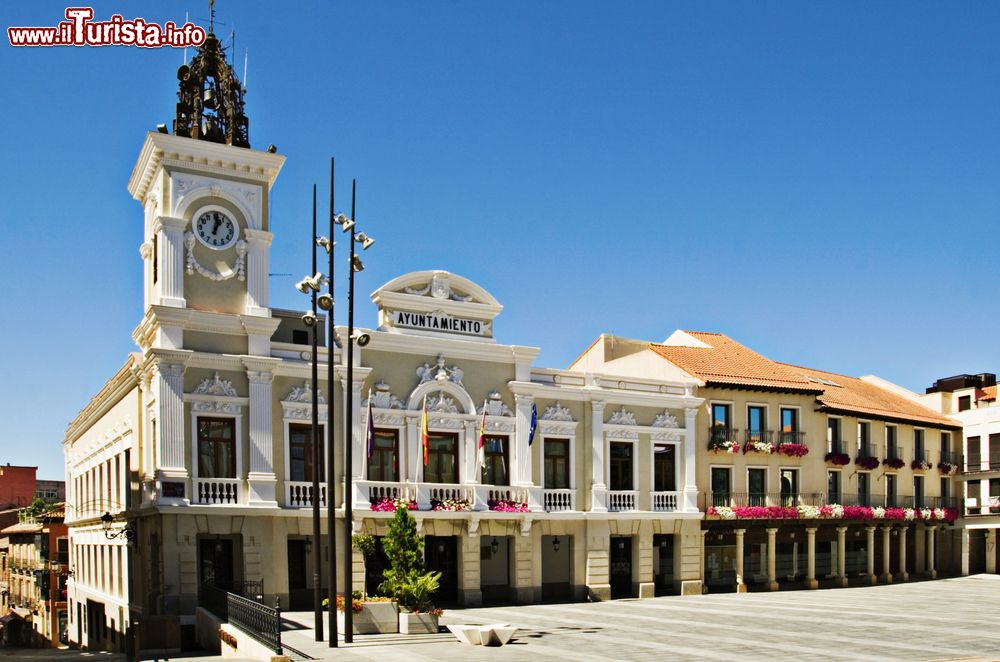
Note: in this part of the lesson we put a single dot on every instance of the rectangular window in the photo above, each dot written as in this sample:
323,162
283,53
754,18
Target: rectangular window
664,471
918,491
834,441
994,502
300,337
918,445
557,464
890,490
722,423
383,465
973,454
789,426
300,452
720,486
833,487
891,436
62,550
789,487
442,458
757,487
864,489
964,402
216,447
946,447
495,463
864,439
994,452
756,423
945,490
621,466
156,257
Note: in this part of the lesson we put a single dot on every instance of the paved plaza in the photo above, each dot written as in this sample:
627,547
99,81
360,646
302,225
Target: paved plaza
942,620
939,620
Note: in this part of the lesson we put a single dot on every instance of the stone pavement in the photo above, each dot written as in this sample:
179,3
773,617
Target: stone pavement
939,620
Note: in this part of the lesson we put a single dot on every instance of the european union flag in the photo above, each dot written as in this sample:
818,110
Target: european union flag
534,423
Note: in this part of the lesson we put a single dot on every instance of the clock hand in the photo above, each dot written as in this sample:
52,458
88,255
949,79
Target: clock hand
215,228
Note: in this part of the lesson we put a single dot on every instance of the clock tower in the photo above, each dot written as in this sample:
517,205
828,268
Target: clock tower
206,238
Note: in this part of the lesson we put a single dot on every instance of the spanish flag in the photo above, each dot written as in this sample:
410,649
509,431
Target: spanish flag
424,442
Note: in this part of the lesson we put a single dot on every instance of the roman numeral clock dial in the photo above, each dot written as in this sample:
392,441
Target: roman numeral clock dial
216,230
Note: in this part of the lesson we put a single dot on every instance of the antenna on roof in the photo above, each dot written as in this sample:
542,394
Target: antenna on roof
246,57
186,21
211,15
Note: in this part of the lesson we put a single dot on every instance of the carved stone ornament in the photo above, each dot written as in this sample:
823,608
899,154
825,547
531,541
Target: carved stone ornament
216,407
439,288
556,413
216,386
238,269
382,398
496,407
622,417
441,404
304,394
667,434
210,98
440,372
665,420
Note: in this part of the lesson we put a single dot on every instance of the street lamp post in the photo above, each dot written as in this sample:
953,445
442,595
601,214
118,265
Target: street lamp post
354,265
331,343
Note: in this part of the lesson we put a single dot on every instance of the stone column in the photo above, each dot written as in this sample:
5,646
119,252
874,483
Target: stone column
521,460
902,575
261,480
886,574
931,570
359,423
599,489
872,578
772,577
991,551
741,586
171,260
690,496
701,561
842,556
811,581
258,242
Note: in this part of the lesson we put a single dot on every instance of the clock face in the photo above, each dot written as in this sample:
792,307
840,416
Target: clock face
216,230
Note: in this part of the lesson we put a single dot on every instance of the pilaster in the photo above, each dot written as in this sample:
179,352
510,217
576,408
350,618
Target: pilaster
741,586
886,574
261,479
599,489
690,453
772,578
258,244
902,575
171,260
811,581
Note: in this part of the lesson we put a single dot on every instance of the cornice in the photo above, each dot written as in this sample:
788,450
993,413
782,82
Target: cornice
110,394
609,396
163,149
409,302
452,348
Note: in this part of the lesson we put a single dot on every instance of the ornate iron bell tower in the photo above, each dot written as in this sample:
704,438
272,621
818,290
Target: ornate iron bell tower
210,98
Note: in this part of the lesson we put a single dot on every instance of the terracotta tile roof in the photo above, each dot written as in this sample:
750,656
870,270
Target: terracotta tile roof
22,527
988,393
850,394
728,363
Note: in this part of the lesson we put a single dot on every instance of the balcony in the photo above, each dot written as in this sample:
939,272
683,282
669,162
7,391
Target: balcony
298,494
950,459
228,491
555,501
664,502
622,500
836,446
981,467
723,440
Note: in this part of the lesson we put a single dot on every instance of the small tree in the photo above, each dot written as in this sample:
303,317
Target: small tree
406,578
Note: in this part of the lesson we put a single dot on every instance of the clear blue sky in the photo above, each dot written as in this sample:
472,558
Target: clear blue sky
817,180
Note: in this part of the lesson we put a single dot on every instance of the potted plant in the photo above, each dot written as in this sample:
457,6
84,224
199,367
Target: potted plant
406,579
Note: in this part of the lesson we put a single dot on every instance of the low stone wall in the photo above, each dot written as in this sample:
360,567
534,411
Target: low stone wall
235,643
207,630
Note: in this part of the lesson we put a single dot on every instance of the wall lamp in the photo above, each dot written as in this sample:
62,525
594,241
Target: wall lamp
494,546
555,544
127,532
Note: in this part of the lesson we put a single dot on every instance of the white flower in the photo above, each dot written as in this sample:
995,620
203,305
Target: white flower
837,511
909,514
878,512
808,512
925,513
725,512
939,513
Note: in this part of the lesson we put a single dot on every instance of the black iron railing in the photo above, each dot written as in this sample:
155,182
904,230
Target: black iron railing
762,436
836,446
866,450
892,452
256,620
789,437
